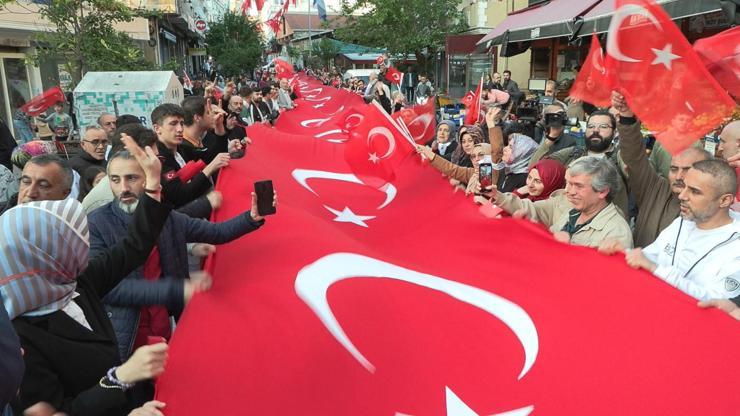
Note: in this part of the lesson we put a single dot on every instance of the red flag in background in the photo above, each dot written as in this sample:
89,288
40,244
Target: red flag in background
246,4
218,94
379,60
662,78
593,84
721,56
419,120
468,99
283,69
376,147
473,110
259,4
393,75
40,103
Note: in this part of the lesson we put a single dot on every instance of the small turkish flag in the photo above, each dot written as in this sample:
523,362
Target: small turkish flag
376,147
192,168
379,60
393,75
283,69
259,4
274,24
246,4
721,56
419,120
40,103
593,84
662,78
473,112
468,99
218,94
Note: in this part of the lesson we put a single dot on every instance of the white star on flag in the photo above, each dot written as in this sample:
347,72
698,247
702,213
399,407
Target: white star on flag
346,215
664,56
373,158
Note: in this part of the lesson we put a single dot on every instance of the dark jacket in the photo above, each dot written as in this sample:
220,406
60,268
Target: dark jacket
447,155
7,144
657,207
174,189
64,360
213,144
123,303
11,361
81,161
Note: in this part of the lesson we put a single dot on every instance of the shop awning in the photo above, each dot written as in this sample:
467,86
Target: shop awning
598,19
546,20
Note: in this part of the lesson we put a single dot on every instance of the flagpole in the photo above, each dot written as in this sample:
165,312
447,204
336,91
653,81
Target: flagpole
477,117
309,27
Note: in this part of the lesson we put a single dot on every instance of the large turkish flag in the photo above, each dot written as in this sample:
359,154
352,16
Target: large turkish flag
661,76
404,300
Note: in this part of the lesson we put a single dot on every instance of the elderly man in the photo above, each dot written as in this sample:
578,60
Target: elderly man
656,197
582,214
94,146
698,253
44,178
107,122
284,100
140,305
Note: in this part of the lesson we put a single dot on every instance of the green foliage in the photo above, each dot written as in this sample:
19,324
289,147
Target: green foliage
325,50
85,39
235,44
401,26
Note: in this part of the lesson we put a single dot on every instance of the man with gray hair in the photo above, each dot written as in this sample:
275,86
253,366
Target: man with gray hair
584,212
93,145
107,122
699,252
44,178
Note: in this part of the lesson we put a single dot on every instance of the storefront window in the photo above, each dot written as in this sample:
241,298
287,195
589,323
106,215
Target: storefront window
541,63
16,78
567,63
457,76
480,66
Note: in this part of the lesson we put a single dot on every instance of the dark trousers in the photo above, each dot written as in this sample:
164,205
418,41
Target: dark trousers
409,92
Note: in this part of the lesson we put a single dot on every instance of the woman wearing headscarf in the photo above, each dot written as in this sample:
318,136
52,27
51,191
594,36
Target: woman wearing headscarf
544,178
52,293
445,142
516,157
468,136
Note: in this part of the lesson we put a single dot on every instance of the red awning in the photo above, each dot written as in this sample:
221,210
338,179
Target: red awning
554,13
461,44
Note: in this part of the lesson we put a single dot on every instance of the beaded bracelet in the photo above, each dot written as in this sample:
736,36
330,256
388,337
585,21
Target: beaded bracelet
111,376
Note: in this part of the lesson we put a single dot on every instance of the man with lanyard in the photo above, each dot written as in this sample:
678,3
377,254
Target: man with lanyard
699,252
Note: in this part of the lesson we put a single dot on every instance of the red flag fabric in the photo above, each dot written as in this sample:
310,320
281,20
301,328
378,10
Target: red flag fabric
379,60
664,81
721,56
187,172
393,75
473,110
218,93
593,84
260,4
468,99
40,103
246,4
283,69
420,121
187,83
355,300
274,24
377,146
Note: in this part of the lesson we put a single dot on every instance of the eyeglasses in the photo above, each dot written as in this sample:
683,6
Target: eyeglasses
97,143
603,126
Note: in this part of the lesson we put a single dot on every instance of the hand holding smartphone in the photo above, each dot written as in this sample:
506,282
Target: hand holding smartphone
265,195
485,172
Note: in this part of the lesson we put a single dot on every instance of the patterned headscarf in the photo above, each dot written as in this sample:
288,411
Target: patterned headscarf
522,149
44,246
23,153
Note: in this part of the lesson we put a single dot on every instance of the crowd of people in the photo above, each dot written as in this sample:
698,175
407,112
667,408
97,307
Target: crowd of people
106,246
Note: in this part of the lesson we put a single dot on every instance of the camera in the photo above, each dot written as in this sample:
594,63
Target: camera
560,120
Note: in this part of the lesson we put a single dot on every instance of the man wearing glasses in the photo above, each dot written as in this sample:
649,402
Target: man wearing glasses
600,131
93,147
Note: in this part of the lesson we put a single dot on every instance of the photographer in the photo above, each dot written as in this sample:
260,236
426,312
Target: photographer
550,132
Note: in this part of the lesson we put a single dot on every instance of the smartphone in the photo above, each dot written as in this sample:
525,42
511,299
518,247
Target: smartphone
485,172
265,195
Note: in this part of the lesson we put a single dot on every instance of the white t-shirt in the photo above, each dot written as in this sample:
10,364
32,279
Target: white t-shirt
704,264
